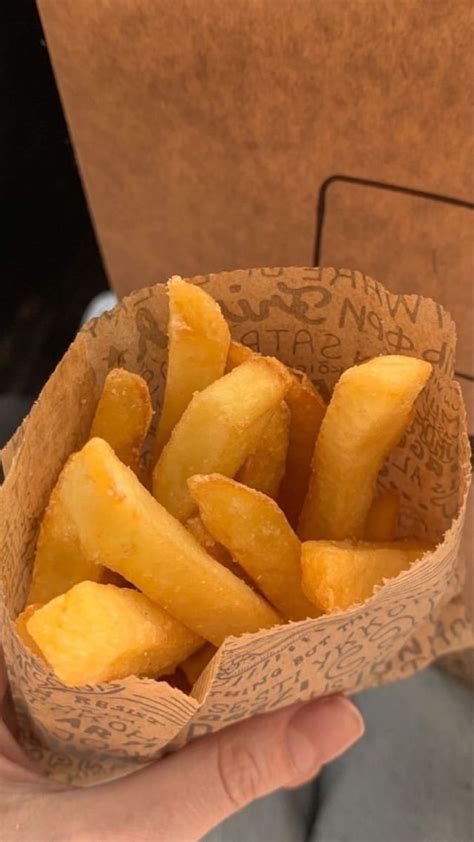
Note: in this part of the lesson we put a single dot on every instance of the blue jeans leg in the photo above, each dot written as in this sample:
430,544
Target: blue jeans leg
410,779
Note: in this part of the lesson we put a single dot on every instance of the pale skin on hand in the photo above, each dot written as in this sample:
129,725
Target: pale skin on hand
209,780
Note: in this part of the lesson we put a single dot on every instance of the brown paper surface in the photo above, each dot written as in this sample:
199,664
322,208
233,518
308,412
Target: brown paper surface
322,321
436,259
204,130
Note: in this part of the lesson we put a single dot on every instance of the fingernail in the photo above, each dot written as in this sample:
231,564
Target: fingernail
322,730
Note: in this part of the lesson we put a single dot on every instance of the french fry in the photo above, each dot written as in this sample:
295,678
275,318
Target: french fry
370,409
198,344
97,633
338,575
382,519
258,536
22,630
307,410
59,560
265,467
218,430
202,535
125,529
239,354
123,415
197,663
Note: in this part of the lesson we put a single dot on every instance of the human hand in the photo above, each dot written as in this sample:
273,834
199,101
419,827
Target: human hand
181,797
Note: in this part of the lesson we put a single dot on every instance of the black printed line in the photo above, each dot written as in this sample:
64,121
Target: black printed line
377,185
465,376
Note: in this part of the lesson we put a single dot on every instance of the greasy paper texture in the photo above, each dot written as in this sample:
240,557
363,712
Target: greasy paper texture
319,320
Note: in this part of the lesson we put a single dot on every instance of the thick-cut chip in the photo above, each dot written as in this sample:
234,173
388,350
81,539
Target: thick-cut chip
198,344
370,409
97,633
22,630
338,575
123,415
195,664
59,561
258,536
203,536
238,354
265,467
217,551
125,529
219,430
307,410
382,519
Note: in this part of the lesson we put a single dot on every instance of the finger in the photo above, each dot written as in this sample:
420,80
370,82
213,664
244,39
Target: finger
188,793
7,713
10,752
3,678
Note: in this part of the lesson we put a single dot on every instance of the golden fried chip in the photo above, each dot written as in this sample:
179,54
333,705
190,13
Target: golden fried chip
217,551
307,410
97,633
238,354
126,530
22,630
265,467
370,409
218,430
196,527
198,344
197,663
59,560
123,415
258,536
338,575
382,519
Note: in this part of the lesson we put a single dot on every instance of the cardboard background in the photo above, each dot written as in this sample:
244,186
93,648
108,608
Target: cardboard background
205,130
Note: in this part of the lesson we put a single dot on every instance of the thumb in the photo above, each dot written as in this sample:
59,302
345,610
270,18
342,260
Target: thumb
186,794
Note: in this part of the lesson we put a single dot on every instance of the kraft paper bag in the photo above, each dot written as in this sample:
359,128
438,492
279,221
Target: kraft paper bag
321,321
204,131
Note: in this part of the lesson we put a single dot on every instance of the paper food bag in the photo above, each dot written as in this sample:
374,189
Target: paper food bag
321,321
